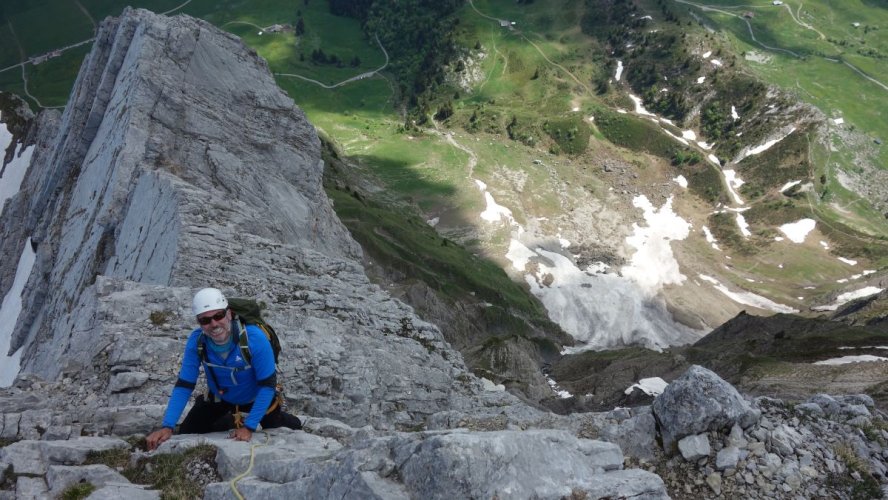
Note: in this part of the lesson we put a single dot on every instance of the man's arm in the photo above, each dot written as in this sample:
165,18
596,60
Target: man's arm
266,376
188,374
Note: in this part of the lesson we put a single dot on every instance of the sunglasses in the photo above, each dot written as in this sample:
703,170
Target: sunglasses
206,320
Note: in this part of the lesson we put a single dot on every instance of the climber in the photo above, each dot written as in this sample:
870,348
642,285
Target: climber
236,385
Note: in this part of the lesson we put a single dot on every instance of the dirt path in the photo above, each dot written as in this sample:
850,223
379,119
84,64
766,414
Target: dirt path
748,25
797,18
87,14
535,46
362,76
174,9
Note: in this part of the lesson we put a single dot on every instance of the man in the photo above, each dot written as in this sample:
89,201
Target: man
235,386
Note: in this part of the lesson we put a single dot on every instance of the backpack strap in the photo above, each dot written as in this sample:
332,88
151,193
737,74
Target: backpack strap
243,342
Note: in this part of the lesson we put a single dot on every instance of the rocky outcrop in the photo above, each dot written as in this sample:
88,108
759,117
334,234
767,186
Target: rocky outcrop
179,164
697,402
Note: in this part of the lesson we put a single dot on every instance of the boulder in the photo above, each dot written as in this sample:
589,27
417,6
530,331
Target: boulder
697,402
693,448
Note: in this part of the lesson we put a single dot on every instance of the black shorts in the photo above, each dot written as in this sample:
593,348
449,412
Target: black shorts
211,416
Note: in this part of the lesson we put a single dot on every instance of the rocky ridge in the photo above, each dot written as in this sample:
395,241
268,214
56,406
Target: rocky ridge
179,163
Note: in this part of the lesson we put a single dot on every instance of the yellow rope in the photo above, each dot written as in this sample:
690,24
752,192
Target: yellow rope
233,482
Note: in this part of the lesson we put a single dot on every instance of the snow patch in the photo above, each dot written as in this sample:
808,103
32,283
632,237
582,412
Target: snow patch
848,297
734,182
707,54
681,181
9,313
763,147
557,390
639,107
714,160
789,185
15,171
495,212
653,265
599,310
850,262
743,225
798,231
701,79
716,62
734,114
677,138
653,386
709,238
838,121
619,73
749,298
862,358
433,222
689,135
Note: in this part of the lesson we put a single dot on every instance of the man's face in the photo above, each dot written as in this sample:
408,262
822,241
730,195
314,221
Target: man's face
216,324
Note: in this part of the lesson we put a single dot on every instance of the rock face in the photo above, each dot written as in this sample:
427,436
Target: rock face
180,164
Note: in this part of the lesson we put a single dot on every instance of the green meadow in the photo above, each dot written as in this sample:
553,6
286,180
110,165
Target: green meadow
826,37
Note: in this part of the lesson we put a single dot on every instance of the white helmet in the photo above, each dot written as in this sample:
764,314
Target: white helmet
208,299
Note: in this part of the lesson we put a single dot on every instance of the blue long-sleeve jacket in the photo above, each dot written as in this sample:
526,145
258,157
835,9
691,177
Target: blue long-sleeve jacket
238,384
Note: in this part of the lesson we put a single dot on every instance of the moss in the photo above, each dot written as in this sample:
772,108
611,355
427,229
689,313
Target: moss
166,472
158,318
865,488
77,491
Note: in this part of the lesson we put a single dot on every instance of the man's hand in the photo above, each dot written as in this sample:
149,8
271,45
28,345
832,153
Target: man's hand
157,438
241,434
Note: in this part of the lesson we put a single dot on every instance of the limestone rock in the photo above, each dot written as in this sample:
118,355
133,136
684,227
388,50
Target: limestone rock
129,492
694,447
480,465
127,380
727,458
697,402
59,477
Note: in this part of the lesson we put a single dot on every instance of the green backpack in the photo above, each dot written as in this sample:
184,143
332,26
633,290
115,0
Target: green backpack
246,312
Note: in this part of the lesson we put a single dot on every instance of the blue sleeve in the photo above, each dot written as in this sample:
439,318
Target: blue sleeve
188,374
265,372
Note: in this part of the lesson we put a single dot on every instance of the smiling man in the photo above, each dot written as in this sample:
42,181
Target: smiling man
237,386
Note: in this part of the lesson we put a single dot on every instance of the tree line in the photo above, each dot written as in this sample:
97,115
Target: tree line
419,37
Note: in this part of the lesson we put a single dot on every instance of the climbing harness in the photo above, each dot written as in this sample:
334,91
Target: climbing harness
239,415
